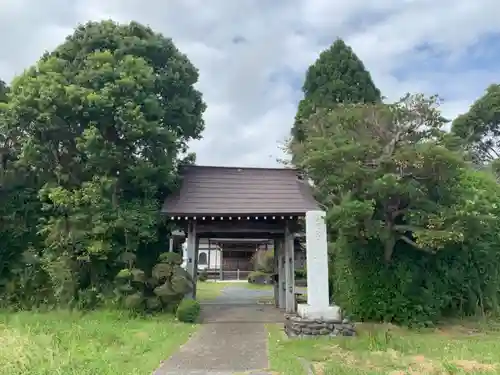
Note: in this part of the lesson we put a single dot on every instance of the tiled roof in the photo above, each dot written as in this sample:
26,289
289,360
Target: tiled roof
240,191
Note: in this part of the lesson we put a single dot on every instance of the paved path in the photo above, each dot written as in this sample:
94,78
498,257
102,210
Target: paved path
232,340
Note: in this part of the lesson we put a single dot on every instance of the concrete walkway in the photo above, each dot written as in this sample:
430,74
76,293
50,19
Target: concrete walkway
232,340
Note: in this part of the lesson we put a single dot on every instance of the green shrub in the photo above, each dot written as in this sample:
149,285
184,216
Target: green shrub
170,258
300,274
416,288
188,311
162,290
259,277
203,276
263,261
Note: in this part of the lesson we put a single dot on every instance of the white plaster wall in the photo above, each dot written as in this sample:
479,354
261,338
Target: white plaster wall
214,258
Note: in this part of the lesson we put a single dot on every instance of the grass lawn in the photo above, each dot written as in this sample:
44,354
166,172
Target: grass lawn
452,350
104,343
209,290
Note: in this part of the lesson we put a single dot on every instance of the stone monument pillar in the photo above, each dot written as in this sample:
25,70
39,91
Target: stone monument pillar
318,303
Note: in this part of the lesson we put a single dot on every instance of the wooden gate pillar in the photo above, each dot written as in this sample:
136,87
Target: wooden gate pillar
192,243
289,270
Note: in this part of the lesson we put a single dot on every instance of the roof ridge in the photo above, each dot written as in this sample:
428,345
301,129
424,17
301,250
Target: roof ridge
238,168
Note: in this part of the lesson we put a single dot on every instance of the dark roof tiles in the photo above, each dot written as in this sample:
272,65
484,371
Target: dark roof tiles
245,191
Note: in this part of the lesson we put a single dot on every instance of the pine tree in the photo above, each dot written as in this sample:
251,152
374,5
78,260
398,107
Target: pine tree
337,76
3,91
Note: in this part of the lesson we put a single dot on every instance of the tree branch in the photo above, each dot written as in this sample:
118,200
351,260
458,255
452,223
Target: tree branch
405,228
415,245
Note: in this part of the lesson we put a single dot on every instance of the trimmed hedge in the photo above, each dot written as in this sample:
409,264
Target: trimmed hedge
188,311
258,277
203,276
416,288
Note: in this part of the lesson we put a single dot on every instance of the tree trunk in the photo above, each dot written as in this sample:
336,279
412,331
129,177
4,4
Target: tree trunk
389,248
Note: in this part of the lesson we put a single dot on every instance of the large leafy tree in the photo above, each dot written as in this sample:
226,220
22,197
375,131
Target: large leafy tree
479,128
19,215
3,91
338,76
383,173
102,122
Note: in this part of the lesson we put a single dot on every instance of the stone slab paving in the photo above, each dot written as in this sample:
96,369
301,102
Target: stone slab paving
232,340
226,348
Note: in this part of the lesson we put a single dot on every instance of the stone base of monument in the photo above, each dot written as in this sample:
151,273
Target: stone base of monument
318,322
319,312
295,326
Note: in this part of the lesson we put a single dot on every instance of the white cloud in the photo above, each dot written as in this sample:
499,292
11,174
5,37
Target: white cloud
251,87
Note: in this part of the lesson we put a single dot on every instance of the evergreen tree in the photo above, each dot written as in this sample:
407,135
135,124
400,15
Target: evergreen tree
337,76
3,91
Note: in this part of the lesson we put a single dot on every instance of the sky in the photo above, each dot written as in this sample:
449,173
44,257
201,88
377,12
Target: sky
252,54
